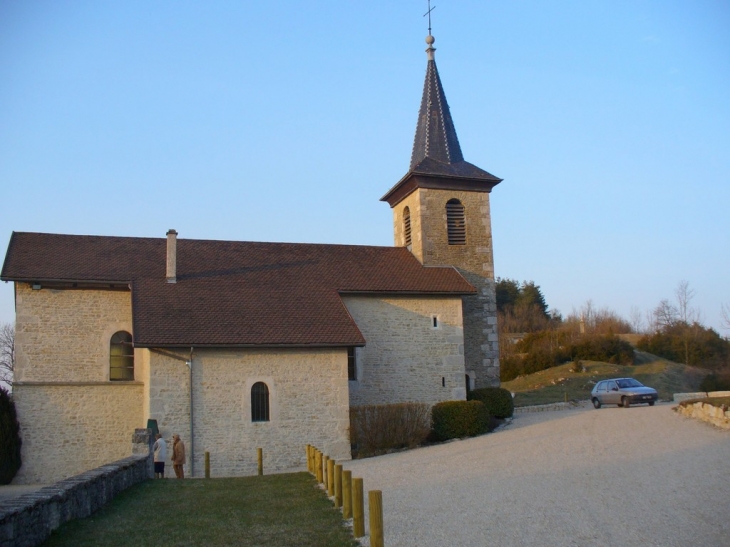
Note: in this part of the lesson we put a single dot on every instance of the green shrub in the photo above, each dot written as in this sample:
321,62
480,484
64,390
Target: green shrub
9,439
498,401
377,428
715,382
456,419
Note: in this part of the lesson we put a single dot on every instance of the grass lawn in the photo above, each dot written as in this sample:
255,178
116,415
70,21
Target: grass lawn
561,384
272,511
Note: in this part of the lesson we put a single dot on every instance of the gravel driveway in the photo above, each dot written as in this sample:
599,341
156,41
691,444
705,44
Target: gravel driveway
581,477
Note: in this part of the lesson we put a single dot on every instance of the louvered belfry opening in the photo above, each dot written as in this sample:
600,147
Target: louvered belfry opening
455,222
407,225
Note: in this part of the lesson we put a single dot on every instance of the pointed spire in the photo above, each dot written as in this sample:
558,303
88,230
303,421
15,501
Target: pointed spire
437,161
435,133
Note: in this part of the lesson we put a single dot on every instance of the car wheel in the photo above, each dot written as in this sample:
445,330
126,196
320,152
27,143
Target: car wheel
651,403
625,401
596,403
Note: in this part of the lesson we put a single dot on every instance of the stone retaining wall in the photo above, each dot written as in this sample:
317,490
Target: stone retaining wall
718,416
28,520
545,408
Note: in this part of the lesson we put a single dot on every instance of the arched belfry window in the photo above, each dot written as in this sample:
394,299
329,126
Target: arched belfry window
407,226
455,222
259,402
121,357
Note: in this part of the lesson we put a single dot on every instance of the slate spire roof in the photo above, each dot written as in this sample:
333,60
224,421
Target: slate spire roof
435,133
437,160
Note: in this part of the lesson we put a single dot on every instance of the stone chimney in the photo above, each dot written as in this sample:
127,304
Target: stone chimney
171,256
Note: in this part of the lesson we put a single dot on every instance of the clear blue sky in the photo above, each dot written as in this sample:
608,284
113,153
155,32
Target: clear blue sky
287,121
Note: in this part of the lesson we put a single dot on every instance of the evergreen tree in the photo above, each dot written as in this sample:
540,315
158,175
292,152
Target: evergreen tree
9,439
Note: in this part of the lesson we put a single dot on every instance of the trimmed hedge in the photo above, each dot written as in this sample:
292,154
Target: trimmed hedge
9,439
498,401
456,419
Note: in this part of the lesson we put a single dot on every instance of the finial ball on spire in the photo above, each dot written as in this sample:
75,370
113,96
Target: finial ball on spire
430,39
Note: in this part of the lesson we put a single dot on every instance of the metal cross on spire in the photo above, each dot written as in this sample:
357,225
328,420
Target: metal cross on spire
430,9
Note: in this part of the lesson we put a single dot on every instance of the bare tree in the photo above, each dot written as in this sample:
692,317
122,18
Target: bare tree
7,353
636,319
725,316
665,314
684,295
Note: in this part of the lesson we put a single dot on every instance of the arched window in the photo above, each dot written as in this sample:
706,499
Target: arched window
259,402
455,223
121,357
407,225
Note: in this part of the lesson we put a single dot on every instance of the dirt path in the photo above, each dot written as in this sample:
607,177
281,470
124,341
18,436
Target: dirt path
640,476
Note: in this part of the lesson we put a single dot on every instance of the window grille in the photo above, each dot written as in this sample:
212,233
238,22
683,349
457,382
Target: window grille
121,357
259,402
407,225
455,222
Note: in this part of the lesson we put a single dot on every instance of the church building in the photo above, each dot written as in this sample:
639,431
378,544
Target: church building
237,345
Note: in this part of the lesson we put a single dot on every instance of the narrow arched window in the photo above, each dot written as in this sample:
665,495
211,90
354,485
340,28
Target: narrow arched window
259,402
407,225
455,222
121,357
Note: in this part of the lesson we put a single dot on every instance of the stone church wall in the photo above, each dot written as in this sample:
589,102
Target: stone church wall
308,397
71,417
63,335
69,428
405,357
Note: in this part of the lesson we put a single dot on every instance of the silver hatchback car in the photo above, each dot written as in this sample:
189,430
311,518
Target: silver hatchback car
622,392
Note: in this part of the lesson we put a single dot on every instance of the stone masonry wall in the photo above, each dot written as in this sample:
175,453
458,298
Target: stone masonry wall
69,428
474,261
481,346
405,358
308,401
63,335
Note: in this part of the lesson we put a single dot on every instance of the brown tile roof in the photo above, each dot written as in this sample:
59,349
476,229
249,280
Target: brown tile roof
231,293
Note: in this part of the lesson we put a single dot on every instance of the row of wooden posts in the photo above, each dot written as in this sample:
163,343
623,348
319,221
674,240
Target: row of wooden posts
259,452
347,493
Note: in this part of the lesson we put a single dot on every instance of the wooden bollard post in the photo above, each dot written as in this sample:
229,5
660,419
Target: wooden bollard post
260,452
331,477
318,466
207,464
338,485
347,494
325,459
306,456
358,509
375,506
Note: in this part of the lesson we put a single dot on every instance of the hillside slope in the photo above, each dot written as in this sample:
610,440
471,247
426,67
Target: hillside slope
562,384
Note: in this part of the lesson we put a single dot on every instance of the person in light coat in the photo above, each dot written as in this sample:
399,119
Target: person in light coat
160,451
178,456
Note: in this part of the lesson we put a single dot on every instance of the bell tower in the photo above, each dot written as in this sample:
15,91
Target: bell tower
441,214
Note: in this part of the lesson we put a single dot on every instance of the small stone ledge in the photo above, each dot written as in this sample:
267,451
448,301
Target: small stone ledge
679,397
715,415
545,408
28,520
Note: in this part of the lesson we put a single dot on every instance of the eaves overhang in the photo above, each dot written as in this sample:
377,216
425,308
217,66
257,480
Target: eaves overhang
413,180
